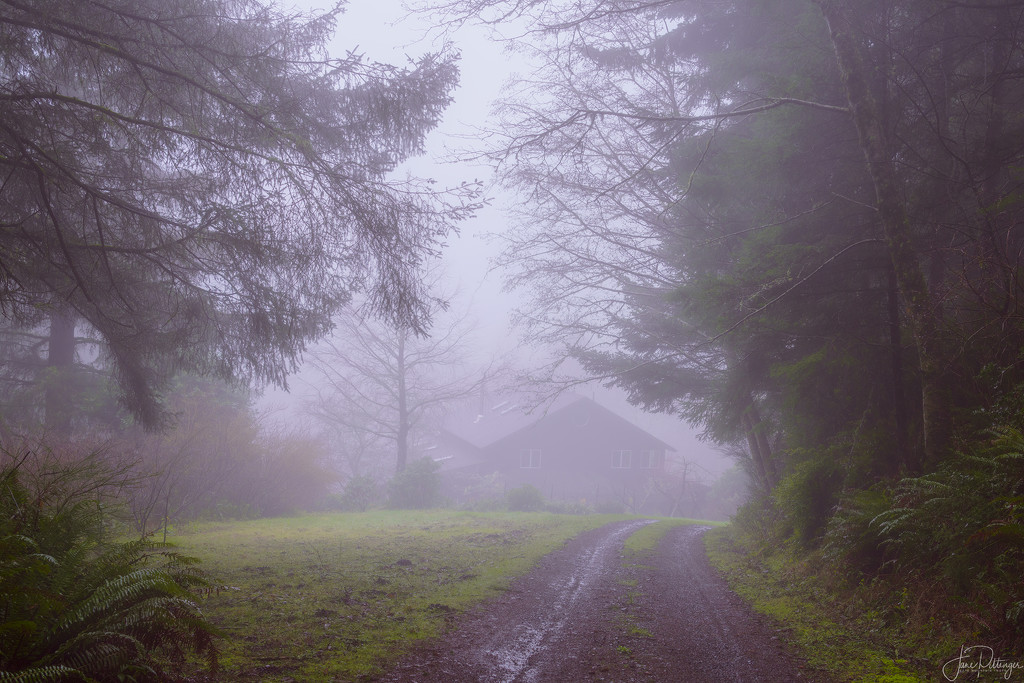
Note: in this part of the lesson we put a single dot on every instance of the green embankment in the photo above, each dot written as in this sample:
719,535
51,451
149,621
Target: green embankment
856,649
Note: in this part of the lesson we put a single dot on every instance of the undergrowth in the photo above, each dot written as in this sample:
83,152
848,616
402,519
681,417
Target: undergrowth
902,577
829,629
75,604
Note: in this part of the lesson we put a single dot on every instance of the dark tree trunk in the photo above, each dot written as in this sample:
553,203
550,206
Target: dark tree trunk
59,361
760,449
402,434
1002,268
868,117
901,423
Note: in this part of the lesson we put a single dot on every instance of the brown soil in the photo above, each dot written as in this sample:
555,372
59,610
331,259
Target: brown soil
586,614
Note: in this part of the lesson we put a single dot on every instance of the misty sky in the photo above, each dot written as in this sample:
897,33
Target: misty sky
383,32
386,33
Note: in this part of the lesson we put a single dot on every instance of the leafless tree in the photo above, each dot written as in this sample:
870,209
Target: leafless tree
379,381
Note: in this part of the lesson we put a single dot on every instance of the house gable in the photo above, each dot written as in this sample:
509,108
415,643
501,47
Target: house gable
581,437
578,450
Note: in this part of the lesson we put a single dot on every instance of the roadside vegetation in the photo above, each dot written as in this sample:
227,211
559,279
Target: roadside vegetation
835,631
78,602
892,581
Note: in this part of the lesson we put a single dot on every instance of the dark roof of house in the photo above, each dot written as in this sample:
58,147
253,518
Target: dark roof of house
487,421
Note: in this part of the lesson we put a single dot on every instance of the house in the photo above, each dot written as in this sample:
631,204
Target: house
576,451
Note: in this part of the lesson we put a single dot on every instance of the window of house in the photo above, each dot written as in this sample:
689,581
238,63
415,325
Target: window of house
529,458
649,460
621,459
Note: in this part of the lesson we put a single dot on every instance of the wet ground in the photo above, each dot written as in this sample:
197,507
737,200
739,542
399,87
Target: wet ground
586,613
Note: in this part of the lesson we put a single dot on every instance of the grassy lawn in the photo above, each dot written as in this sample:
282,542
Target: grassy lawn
337,597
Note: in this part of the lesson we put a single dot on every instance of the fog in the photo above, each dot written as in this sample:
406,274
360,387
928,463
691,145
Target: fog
385,32
510,273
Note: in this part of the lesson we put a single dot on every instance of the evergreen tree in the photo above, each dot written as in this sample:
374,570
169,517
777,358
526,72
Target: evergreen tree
200,183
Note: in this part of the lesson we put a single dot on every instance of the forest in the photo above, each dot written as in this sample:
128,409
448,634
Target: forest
793,224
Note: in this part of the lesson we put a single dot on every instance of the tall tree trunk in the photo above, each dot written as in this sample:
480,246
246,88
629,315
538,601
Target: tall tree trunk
760,450
60,359
901,423
868,118
402,434
1002,269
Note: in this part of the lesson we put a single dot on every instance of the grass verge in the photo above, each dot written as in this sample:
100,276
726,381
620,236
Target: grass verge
647,538
851,647
338,597
640,545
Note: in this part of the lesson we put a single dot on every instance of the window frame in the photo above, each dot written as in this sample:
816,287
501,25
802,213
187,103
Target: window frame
649,460
622,459
529,456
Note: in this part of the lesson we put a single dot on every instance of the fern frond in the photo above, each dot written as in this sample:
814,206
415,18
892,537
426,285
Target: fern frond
45,674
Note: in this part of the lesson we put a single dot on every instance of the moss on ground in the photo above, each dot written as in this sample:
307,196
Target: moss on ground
854,650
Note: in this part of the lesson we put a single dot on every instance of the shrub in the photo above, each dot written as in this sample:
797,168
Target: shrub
358,494
610,507
75,606
970,511
525,498
961,526
808,496
417,486
758,520
851,539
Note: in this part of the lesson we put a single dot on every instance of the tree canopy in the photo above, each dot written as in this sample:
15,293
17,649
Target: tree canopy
793,223
203,185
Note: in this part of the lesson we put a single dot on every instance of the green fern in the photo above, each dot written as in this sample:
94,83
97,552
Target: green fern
75,606
44,674
962,524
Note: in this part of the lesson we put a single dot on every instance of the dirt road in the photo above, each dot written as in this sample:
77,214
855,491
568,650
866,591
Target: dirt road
586,614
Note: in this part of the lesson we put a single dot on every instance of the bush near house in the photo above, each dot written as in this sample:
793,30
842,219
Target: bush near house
417,486
525,498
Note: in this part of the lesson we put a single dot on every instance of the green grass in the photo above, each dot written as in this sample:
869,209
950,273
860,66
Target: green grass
647,538
338,597
640,544
850,651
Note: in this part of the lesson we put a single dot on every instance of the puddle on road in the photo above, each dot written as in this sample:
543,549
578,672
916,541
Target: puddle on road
510,663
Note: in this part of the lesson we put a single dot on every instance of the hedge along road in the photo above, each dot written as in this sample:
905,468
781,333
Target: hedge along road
588,613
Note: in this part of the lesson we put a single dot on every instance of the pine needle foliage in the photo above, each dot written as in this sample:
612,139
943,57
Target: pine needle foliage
76,605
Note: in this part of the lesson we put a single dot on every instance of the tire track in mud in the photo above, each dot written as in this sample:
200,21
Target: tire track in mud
523,656
584,615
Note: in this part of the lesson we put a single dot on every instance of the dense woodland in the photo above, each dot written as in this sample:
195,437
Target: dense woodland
795,224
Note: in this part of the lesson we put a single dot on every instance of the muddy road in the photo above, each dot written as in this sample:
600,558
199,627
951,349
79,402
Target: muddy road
586,613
